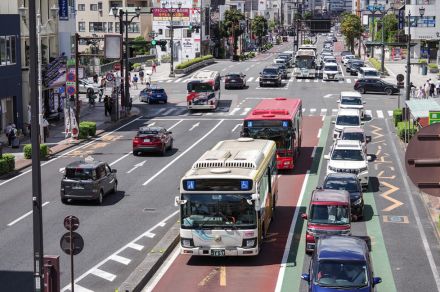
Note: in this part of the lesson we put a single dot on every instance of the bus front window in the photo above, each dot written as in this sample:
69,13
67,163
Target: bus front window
280,135
218,211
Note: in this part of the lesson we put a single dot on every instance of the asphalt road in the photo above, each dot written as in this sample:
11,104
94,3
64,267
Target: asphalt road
129,223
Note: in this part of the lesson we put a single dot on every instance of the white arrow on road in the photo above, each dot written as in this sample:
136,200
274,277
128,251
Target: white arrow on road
193,126
329,95
137,165
236,126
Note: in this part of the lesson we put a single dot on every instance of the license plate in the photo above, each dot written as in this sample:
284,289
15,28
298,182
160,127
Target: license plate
78,188
146,140
159,95
217,252
233,81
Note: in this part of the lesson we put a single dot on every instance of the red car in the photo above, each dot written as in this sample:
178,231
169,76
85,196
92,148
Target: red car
152,139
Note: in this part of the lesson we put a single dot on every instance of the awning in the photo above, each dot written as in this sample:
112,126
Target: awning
419,108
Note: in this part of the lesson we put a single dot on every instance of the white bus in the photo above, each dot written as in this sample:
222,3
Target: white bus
227,199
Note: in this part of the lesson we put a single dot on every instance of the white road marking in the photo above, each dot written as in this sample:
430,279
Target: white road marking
120,158
103,274
169,81
390,113
167,112
235,128
348,80
151,124
250,79
257,80
334,111
25,215
299,80
323,118
135,246
149,234
186,80
323,111
247,69
307,80
234,110
328,95
342,71
312,110
303,110
119,259
316,80
313,152
140,164
319,133
162,224
178,80
183,153
79,288
380,114
245,111
175,125
194,126
223,69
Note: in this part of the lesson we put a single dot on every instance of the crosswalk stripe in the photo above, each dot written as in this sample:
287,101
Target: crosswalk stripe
245,111
135,246
178,80
348,80
390,113
119,259
103,274
334,111
369,113
307,80
234,111
250,79
160,81
299,80
316,80
169,81
312,110
303,110
186,80
181,111
379,114
257,80
323,111
167,112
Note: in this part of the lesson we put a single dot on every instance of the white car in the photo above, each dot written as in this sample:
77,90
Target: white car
357,134
368,72
328,59
352,99
348,156
346,118
330,71
346,58
85,86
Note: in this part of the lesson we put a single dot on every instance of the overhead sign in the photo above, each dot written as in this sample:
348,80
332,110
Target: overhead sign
434,117
165,14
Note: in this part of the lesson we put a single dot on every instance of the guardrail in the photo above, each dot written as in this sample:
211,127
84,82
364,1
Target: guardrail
195,66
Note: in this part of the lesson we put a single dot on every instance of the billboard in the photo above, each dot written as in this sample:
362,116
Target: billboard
181,14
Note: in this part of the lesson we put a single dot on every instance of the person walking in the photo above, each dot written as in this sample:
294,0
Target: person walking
153,67
107,105
95,78
8,133
135,81
45,129
102,88
141,76
431,88
427,88
437,88
148,80
421,93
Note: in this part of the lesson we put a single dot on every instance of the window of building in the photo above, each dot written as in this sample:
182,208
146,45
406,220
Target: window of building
8,50
133,27
13,52
93,7
117,27
110,27
167,33
96,26
81,7
425,2
187,33
3,50
160,31
100,6
81,26
115,3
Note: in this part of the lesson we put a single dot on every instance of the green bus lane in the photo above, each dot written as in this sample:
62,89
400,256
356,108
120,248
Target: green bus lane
379,254
295,259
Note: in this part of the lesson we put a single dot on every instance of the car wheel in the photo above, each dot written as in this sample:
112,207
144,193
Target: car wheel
362,90
171,144
115,187
165,101
388,91
148,101
100,198
261,84
64,201
135,153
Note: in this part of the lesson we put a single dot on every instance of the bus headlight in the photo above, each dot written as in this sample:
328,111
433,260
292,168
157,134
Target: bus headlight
250,242
187,242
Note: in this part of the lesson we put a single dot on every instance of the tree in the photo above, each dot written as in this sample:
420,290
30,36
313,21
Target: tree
272,24
390,32
351,28
232,24
307,15
259,28
141,47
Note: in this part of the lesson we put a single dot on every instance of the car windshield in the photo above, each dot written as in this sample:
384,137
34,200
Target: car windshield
270,71
218,211
331,68
79,173
349,100
158,90
348,121
344,274
347,154
357,64
343,184
233,76
371,73
329,214
354,136
147,132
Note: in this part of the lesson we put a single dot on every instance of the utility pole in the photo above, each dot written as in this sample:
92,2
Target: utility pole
408,59
78,106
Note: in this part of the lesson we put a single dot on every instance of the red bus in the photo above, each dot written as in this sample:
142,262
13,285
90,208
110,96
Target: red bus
278,119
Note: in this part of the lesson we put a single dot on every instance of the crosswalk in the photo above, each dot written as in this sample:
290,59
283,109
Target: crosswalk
243,111
250,80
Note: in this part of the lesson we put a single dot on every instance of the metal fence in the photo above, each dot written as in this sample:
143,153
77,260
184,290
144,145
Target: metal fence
138,59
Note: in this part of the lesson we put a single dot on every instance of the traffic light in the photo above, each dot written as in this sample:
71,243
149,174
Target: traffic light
153,42
163,44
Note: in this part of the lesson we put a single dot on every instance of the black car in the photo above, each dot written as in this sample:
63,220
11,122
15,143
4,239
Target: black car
88,180
235,80
270,75
350,183
353,66
364,85
344,53
283,69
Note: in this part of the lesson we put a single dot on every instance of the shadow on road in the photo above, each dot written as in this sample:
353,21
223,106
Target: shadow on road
16,280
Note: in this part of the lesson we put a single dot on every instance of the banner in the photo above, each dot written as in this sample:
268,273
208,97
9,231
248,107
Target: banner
63,9
165,14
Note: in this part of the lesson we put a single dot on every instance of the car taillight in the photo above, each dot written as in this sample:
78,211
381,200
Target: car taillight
189,102
136,140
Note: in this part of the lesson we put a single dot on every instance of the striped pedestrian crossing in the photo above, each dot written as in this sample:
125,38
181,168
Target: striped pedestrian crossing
257,79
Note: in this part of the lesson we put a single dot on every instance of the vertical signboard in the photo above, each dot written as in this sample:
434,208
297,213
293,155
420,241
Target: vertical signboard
63,11
401,18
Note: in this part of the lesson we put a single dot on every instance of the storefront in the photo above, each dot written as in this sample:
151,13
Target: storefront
10,72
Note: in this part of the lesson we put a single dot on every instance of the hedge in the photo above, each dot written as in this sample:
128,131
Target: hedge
411,130
87,129
397,116
7,163
376,64
27,149
188,63
432,66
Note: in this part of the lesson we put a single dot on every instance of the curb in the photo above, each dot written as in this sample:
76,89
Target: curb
152,262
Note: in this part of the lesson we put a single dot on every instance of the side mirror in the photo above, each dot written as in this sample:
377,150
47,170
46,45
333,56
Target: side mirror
368,139
304,216
62,170
327,157
377,280
369,158
114,171
256,199
305,277
178,201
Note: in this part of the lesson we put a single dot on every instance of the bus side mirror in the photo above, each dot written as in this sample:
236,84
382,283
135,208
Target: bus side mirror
256,199
178,201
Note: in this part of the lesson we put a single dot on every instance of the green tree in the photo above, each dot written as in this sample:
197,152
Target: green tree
232,24
259,28
272,24
390,32
140,48
307,15
351,28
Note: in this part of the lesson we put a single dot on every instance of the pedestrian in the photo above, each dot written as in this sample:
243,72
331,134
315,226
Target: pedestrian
107,105
421,93
135,81
153,67
437,87
431,88
427,88
8,133
45,129
148,80
95,78
141,76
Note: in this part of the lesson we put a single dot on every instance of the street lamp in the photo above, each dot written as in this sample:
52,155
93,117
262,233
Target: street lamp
408,57
171,12
53,14
125,85
373,11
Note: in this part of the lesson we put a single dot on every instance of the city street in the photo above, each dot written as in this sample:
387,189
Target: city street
118,234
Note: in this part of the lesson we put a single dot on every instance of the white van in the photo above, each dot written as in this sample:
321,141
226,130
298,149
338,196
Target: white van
330,71
351,99
346,118
368,72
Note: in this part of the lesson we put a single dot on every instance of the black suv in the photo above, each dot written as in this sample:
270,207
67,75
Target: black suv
270,75
353,66
88,180
364,85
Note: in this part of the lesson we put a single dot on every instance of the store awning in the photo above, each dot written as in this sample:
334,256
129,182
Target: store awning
419,108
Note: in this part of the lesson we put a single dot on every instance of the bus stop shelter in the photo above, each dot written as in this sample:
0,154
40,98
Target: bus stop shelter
419,109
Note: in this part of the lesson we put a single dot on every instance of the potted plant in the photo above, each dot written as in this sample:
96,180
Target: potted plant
433,68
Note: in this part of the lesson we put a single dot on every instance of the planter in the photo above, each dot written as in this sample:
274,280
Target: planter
194,66
433,70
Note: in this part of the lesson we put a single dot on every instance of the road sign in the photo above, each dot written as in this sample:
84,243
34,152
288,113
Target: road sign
77,242
71,223
117,66
109,77
70,77
400,77
422,159
434,117
71,90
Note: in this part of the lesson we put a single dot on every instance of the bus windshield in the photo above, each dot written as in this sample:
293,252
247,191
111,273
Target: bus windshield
199,87
218,211
305,62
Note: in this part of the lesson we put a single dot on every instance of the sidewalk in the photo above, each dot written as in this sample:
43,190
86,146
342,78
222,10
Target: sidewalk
399,67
